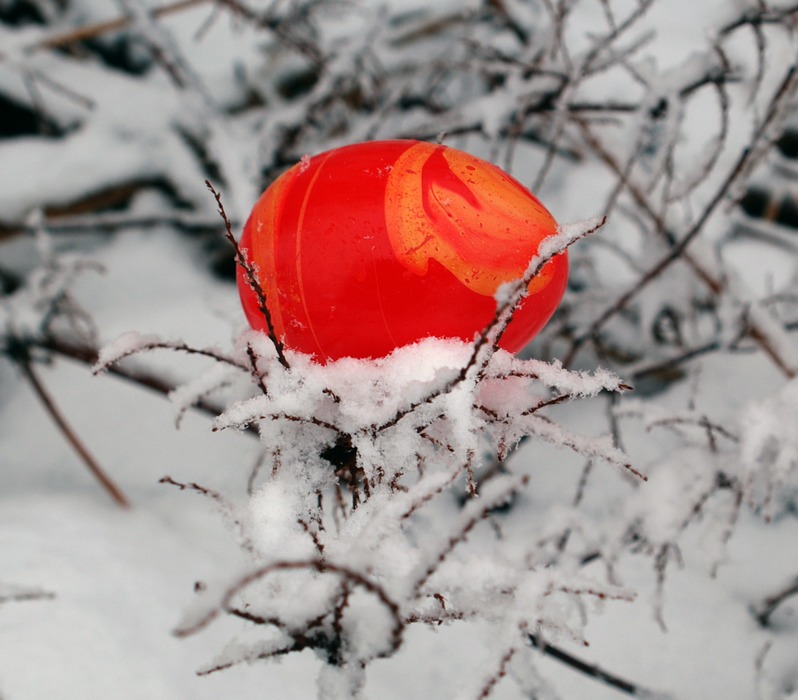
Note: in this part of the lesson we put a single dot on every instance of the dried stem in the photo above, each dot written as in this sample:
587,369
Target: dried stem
23,360
252,278
88,355
318,565
591,670
500,673
768,607
94,30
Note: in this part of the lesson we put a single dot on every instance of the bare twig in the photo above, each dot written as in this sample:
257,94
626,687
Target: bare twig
202,490
110,221
94,30
256,374
500,673
592,670
88,356
251,276
480,509
22,357
226,507
318,565
177,346
766,609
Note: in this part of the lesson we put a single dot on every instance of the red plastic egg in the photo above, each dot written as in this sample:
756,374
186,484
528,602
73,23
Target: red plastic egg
376,245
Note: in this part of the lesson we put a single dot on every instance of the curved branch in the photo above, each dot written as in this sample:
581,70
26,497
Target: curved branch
322,567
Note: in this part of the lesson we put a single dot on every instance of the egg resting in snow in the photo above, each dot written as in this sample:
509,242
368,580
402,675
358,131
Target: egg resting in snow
376,245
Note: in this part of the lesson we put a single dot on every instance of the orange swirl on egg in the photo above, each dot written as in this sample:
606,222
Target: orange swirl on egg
445,205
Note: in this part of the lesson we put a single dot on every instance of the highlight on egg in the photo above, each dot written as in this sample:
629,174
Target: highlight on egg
376,245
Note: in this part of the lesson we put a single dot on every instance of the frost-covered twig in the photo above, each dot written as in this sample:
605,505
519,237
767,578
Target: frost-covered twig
133,343
474,513
508,297
225,506
319,566
87,355
740,169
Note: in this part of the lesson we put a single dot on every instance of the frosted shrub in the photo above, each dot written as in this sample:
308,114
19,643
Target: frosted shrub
379,503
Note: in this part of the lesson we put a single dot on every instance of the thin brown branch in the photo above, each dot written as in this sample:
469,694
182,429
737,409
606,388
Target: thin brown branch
481,508
668,365
57,223
251,276
225,506
255,619
94,30
88,356
193,486
300,645
318,565
553,401
500,673
312,420
23,360
763,340
257,375
178,346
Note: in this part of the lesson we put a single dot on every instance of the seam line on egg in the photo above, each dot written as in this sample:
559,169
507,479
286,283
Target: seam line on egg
379,300
300,278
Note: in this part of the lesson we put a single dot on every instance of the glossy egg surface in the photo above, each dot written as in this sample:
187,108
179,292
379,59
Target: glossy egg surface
376,245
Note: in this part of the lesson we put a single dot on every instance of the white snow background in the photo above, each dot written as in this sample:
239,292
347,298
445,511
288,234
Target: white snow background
663,583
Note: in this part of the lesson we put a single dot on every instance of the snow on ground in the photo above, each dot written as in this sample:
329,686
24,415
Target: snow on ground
121,580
